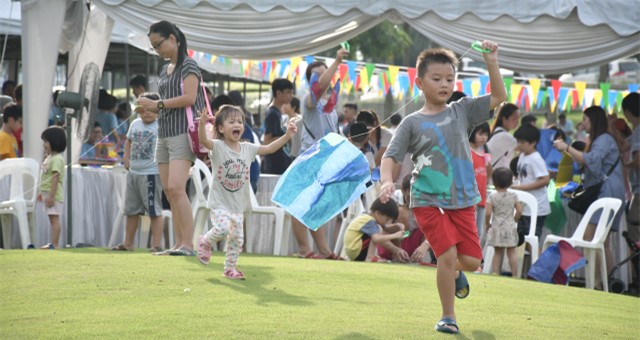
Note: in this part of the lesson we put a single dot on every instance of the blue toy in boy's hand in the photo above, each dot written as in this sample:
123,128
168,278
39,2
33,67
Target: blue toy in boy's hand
477,45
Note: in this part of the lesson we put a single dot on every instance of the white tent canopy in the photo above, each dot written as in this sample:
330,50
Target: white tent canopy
545,36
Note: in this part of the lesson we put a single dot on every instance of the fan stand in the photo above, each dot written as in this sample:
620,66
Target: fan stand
68,129
69,100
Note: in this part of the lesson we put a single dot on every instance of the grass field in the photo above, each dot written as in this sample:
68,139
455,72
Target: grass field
94,293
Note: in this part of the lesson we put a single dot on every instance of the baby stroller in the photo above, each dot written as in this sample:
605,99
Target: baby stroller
616,285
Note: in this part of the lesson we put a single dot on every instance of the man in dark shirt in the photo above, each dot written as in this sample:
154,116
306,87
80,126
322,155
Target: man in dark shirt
277,162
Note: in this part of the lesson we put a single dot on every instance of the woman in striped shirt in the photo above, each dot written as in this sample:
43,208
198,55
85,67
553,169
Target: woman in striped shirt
179,88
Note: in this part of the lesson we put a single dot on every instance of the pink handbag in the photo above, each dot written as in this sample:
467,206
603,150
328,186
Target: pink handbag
192,130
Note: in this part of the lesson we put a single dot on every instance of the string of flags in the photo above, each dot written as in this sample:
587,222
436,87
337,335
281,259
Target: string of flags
371,78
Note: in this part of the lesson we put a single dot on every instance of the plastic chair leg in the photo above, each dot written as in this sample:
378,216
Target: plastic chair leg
7,221
277,235
33,232
603,270
200,220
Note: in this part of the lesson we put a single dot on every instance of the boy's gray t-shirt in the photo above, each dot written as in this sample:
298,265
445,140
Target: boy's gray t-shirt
443,175
230,170
143,147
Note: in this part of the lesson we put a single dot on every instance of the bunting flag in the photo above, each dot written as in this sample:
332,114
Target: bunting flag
352,66
507,84
393,73
385,79
553,101
358,82
190,53
364,80
459,86
604,88
484,80
213,58
588,97
411,73
543,95
597,97
322,181
562,98
263,69
295,63
516,94
574,99
619,97
466,86
555,85
309,59
612,100
633,87
535,88
284,68
369,67
581,86
475,89
342,70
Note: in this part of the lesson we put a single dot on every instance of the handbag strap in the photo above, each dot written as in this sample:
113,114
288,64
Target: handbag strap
188,108
611,170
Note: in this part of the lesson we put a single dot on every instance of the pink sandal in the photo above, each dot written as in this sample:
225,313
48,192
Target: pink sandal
233,274
204,250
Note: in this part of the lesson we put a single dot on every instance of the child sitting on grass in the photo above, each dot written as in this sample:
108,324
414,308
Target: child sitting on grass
375,228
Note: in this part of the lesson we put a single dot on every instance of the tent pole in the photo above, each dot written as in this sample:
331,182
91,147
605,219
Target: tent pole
126,72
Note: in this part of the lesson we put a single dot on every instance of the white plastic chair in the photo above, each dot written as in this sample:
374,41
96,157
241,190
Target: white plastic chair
531,238
354,210
24,173
610,207
200,203
281,218
119,223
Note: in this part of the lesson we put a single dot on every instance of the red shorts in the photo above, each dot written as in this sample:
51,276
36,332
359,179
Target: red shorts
444,229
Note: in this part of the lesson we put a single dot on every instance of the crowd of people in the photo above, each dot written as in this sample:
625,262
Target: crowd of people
442,159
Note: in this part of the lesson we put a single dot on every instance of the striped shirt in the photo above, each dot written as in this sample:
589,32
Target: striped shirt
173,122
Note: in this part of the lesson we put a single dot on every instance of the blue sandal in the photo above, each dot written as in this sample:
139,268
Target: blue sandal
462,286
446,325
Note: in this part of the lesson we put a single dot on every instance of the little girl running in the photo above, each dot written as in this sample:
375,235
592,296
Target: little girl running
230,163
55,142
501,222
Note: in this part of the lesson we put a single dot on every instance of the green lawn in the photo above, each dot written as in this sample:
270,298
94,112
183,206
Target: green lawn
94,293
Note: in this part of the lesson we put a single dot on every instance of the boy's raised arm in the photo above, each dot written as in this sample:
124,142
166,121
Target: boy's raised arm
498,91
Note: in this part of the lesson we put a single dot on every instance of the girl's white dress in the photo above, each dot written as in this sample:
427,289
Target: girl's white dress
503,232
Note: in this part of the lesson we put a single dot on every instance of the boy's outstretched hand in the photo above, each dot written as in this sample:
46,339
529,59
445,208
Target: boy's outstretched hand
386,191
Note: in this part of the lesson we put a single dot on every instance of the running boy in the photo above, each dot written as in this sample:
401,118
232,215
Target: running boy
444,191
